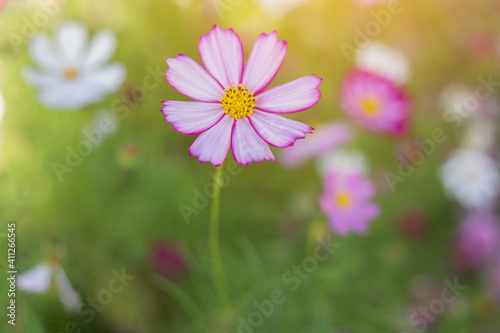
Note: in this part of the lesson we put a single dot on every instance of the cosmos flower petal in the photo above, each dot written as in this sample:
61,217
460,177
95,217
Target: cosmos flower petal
72,38
264,62
222,54
370,211
365,190
42,52
293,96
247,145
36,280
362,217
276,130
213,144
108,78
192,117
192,80
39,79
69,297
336,224
70,96
101,49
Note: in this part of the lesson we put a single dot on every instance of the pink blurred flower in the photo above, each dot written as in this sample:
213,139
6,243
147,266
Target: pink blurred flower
477,239
168,260
481,44
375,103
347,201
326,138
232,110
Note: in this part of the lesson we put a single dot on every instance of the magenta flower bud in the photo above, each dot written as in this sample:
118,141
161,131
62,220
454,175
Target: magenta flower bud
168,260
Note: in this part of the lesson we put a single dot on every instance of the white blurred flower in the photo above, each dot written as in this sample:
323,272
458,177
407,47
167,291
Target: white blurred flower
278,8
103,124
454,96
73,71
107,122
343,161
39,279
464,102
472,178
480,135
68,296
383,60
36,280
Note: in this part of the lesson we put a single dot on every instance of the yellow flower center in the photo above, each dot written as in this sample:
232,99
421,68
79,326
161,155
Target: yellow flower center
70,73
238,102
342,199
370,106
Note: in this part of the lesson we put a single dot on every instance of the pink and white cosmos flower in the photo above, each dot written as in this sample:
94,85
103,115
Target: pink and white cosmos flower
375,102
347,201
231,108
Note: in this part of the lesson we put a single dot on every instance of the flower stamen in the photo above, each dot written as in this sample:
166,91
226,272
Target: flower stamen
342,200
370,107
237,102
70,73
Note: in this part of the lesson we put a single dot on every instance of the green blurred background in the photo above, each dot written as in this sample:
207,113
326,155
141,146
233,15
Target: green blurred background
123,198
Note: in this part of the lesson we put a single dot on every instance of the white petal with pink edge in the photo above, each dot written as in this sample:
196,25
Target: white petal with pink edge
294,96
264,62
213,144
192,117
192,80
276,130
222,54
247,145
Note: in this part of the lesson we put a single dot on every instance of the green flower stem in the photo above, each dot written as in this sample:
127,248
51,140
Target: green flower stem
213,243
